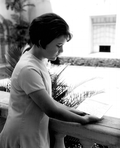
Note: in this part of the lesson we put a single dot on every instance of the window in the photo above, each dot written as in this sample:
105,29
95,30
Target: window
103,33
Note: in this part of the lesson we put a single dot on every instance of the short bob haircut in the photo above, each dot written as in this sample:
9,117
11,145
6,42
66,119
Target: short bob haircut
46,28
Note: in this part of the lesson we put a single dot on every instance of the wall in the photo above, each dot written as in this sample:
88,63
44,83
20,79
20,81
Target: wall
78,15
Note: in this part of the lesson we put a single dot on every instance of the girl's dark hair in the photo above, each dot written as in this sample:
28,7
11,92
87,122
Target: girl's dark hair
46,28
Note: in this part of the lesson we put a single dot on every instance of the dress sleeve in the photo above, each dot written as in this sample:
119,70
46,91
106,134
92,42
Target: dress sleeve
30,80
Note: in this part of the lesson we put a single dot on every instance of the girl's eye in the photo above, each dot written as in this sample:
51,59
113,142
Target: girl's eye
59,46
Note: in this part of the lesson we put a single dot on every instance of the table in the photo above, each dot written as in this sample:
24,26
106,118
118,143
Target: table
105,132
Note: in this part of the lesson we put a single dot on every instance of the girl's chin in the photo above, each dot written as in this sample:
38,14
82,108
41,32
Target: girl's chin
53,59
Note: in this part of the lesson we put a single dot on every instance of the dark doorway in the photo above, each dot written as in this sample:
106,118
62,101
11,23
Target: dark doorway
104,48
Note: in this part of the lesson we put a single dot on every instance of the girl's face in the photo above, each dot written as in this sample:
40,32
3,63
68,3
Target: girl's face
54,48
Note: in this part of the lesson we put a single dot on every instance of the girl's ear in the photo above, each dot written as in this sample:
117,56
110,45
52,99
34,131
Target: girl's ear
39,44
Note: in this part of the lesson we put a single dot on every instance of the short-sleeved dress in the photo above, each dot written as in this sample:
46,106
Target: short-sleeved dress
26,125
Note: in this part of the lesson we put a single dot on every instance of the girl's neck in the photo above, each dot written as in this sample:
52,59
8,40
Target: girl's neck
37,52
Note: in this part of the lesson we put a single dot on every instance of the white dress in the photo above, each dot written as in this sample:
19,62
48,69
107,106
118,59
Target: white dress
26,125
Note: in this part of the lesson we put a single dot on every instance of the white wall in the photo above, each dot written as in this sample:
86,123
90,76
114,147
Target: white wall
78,15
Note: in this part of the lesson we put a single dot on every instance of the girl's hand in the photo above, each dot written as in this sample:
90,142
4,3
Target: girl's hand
92,119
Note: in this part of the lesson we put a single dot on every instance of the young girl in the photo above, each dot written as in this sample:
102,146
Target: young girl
31,104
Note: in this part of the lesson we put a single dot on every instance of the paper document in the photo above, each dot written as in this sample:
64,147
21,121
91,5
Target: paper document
94,107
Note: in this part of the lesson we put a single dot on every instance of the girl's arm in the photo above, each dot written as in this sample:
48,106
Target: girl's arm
53,110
